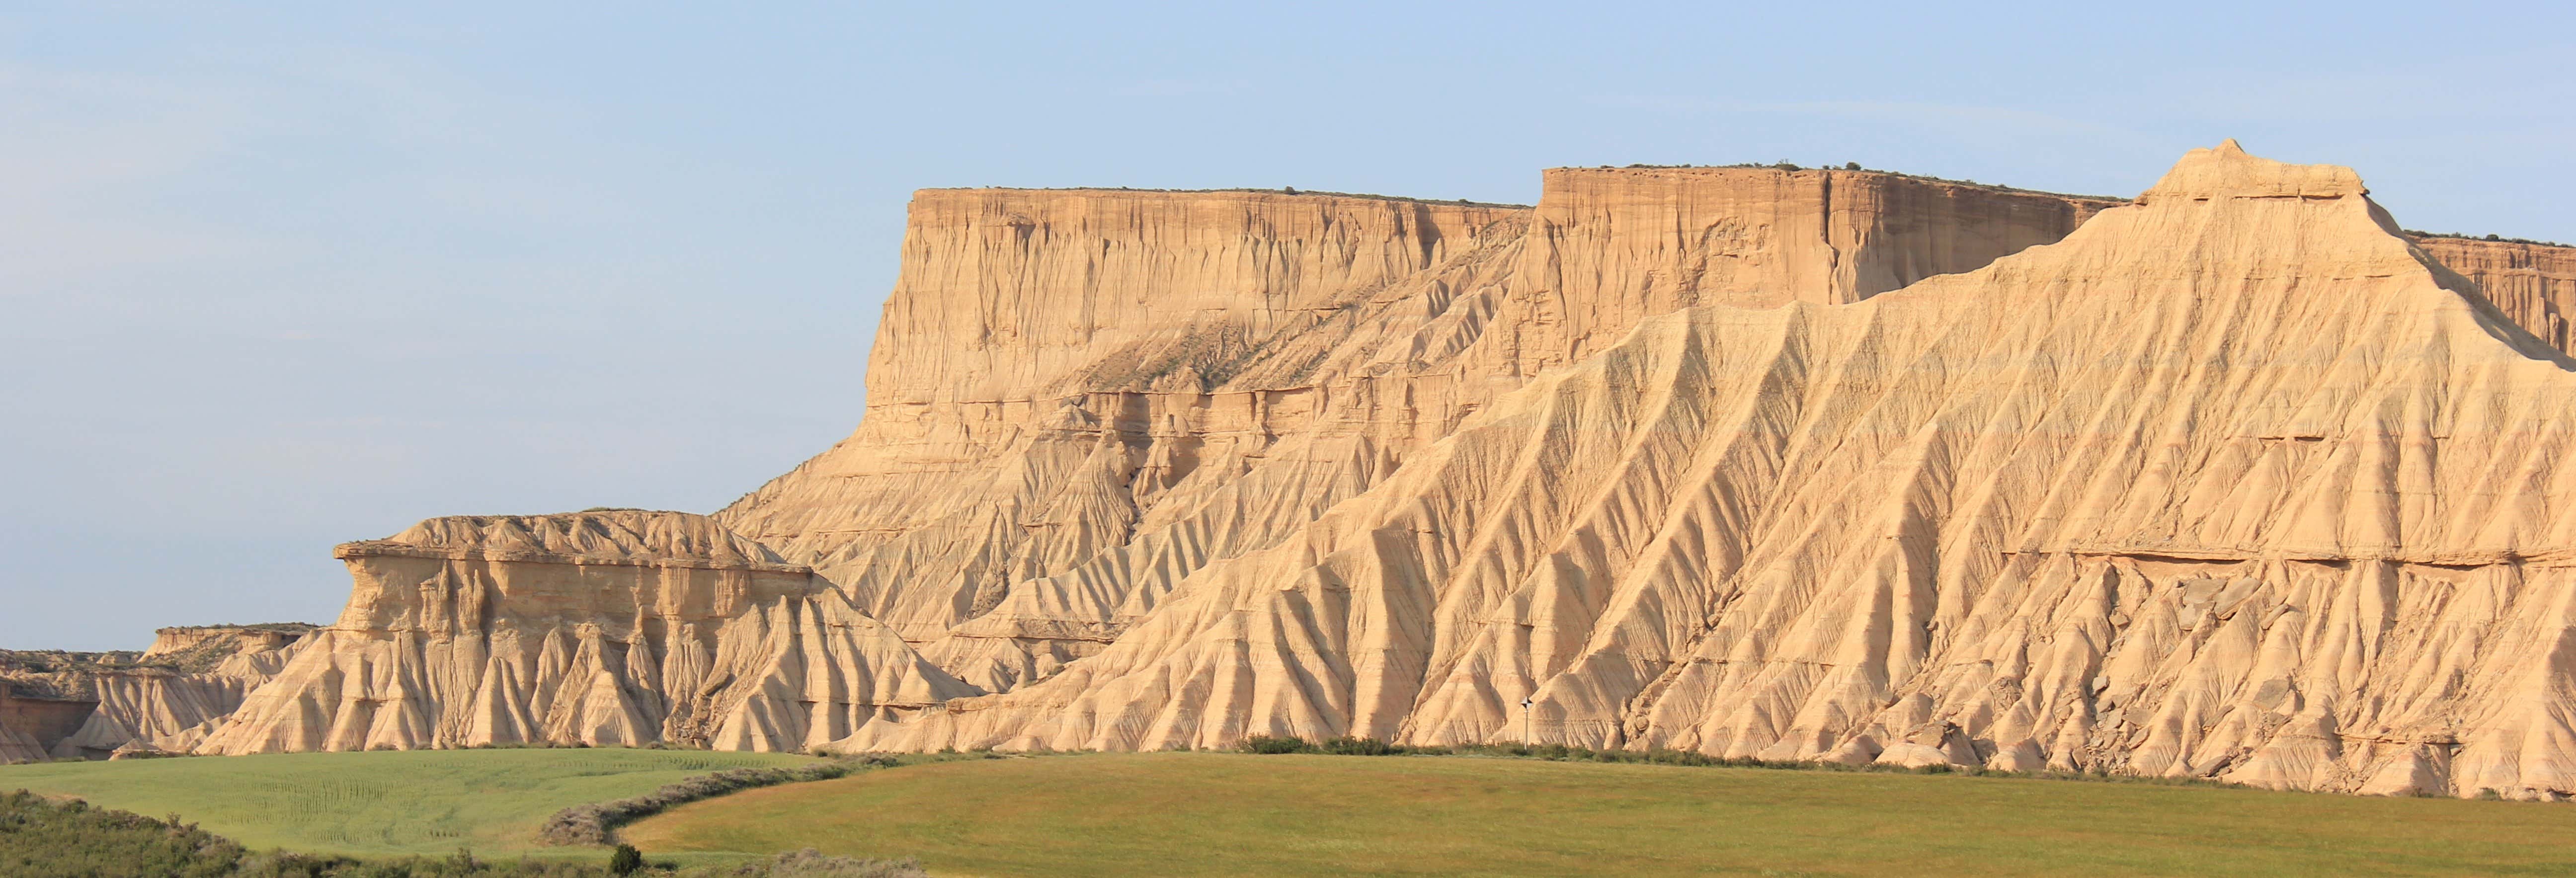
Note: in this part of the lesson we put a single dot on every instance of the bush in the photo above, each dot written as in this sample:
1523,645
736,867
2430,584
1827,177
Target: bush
1273,744
1349,746
597,823
625,860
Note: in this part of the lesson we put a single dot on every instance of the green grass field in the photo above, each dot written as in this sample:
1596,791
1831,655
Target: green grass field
1202,814
377,804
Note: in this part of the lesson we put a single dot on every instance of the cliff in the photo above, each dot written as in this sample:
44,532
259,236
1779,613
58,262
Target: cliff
2233,482
95,705
619,627
1079,397
2533,284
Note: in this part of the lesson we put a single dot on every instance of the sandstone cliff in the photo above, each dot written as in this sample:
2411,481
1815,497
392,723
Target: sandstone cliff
2233,482
2236,480
2533,284
163,699
617,627
1079,397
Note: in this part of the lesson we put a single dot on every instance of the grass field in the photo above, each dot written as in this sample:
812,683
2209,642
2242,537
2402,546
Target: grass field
375,804
1198,814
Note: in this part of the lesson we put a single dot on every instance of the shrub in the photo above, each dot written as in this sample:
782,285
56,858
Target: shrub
625,860
1350,746
1274,744
597,823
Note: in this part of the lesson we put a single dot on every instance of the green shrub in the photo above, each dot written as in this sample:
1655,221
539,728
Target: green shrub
625,860
1274,744
1350,746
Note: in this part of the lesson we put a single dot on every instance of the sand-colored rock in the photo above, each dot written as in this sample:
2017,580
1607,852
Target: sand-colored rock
615,627
2533,284
1079,397
163,699
33,724
195,678
2233,482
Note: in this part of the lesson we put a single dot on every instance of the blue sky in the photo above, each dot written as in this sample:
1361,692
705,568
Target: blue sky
275,278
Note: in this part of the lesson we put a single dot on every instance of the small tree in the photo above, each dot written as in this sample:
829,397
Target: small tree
625,860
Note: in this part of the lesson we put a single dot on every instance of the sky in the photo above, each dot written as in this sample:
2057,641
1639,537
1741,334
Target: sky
281,276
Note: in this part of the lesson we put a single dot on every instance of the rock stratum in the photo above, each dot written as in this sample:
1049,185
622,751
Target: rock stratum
2234,480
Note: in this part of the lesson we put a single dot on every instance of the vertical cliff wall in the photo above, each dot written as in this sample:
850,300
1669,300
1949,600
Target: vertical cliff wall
2533,284
1079,397
32,725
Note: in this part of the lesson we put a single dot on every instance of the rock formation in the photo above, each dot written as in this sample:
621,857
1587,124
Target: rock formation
2533,284
2233,480
164,699
1079,397
615,627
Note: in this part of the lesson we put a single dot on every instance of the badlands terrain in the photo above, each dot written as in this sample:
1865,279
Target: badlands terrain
2232,480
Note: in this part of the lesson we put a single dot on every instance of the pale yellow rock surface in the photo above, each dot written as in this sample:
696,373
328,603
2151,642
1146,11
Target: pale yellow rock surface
1079,397
2534,284
2234,482
165,699
616,627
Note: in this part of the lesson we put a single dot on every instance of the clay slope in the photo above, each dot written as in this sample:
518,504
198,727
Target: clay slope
617,627
1079,398
2234,482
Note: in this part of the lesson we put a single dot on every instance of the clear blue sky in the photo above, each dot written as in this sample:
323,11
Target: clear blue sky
277,278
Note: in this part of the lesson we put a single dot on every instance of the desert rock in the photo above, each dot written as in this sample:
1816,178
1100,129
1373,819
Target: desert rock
615,627
1080,397
2236,481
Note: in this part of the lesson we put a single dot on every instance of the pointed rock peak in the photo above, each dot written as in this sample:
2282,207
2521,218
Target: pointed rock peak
2228,171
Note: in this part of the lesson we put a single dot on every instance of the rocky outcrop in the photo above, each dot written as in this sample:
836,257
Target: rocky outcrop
617,627
32,724
210,645
2234,482
1080,397
2533,284
164,699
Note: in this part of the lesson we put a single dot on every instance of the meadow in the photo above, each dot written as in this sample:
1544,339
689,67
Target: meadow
1236,814
430,802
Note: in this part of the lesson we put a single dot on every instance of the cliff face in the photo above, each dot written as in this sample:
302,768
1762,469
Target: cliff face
616,627
2233,482
95,705
2533,284
32,725
1078,398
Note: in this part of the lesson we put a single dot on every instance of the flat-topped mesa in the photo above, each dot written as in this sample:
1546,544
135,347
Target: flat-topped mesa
1117,386
621,627
2234,482
183,642
1009,295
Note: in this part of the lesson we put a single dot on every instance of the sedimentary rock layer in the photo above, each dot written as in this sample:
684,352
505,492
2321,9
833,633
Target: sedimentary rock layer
2236,481
164,699
1077,398
2533,284
615,627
